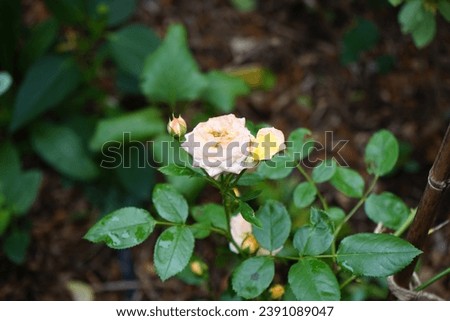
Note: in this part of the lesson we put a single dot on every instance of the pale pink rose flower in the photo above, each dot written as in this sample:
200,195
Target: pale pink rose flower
221,144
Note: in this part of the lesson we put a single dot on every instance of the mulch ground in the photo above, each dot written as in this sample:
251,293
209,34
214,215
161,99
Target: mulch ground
301,45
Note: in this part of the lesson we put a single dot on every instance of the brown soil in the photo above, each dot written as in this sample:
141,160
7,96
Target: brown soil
301,45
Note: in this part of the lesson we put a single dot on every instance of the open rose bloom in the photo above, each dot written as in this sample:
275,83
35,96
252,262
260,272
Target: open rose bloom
224,144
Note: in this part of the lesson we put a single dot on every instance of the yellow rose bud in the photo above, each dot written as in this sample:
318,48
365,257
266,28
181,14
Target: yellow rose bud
198,267
250,244
268,142
276,291
177,127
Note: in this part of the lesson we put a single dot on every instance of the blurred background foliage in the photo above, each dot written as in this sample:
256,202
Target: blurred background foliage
58,101
90,83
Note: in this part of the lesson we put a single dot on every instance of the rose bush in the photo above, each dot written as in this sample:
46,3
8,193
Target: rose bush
263,229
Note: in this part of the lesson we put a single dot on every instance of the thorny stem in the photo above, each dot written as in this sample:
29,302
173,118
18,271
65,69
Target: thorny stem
225,185
296,258
406,224
238,177
214,229
352,212
357,206
324,256
347,282
433,279
432,198
211,180
309,179
227,206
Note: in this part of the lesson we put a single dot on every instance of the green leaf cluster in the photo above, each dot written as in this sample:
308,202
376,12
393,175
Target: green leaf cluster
363,36
18,192
171,75
418,18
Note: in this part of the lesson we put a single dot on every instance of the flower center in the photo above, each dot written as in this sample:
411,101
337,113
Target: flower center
216,133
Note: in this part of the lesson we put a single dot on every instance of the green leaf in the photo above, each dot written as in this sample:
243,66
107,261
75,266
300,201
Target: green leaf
41,38
10,162
248,214
280,166
19,188
21,192
127,84
189,187
5,82
414,18
5,219
222,90
62,148
250,179
315,238
66,11
386,208
16,245
170,204
381,153
131,45
444,9
324,171
425,31
173,251
377,255
121,229
200,230
138,125
348,182
253,276
116,11
245,5
179,170
362,37
171,73
336,215
395,2
250,195
135,173
166,150
276,225
304,194
212,214
47,83
411,15
312,280
299,144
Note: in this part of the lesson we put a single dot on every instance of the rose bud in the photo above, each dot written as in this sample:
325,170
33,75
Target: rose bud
198,268
177,126
276,291
250,244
